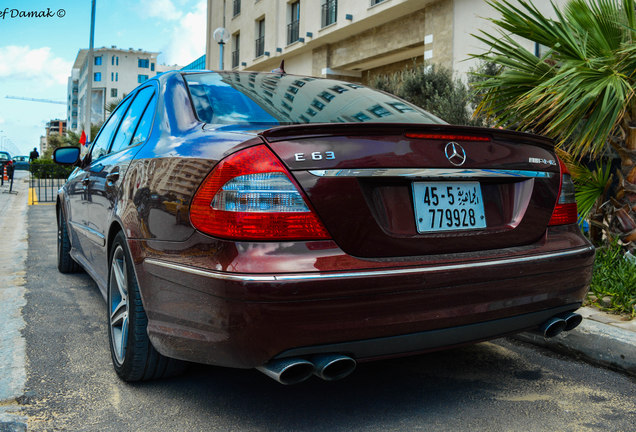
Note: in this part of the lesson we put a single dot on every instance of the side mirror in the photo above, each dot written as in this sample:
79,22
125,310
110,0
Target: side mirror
66,155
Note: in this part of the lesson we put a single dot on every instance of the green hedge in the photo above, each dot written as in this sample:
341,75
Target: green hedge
46,168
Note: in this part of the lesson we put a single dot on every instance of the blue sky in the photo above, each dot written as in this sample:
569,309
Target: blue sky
36,54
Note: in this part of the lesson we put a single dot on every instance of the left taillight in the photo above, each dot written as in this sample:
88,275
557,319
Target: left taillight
250,195
565,211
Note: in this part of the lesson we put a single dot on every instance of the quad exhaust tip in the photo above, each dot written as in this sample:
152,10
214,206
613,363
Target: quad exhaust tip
288,371
329,367
332,367
563,322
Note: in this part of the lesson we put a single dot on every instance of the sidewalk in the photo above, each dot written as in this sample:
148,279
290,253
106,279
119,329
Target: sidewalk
601,338
13,254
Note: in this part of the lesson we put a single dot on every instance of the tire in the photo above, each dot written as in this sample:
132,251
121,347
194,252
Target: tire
134,358
65,263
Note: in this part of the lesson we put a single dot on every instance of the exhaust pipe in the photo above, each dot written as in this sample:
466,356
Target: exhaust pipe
332,367
572,320
552,327
288,371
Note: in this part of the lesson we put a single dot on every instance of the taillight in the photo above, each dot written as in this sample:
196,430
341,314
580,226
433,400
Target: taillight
565,211
251,196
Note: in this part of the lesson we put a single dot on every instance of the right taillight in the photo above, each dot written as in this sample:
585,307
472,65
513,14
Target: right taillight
565,211
250,195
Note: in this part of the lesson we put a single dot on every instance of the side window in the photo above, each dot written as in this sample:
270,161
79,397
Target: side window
143,130
129,123
102,142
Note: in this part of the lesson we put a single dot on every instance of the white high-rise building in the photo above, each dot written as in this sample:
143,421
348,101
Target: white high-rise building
116,72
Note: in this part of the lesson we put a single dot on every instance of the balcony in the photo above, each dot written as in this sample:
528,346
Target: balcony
329,12
293,32
260,46
236,7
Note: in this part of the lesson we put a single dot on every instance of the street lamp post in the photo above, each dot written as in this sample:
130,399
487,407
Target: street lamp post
221,36
89,78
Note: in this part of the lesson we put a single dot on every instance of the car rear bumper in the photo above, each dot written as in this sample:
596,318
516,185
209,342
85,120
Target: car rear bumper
246,319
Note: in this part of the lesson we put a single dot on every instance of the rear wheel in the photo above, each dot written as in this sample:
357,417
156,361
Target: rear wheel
133,356
65,263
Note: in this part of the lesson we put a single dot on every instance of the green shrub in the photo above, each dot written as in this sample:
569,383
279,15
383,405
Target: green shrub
46,168
614,277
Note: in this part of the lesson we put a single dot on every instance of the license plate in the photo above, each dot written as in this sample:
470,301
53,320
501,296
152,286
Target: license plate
448,206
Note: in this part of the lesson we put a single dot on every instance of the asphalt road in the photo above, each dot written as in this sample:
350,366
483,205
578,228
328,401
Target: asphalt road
496,386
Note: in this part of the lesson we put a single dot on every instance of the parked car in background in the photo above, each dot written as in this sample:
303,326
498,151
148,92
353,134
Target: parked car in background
299,225
21,162
5,161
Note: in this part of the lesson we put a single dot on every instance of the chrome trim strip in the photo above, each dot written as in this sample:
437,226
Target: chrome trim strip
430,173
90,233
365,273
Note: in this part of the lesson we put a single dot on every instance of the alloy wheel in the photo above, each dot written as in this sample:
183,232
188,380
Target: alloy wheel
118,304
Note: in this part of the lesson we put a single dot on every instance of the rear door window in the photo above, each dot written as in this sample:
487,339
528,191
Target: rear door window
124,135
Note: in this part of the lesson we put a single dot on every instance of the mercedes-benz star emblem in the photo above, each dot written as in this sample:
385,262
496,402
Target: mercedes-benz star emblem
455,153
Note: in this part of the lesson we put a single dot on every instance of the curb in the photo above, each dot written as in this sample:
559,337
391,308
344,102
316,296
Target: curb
599,339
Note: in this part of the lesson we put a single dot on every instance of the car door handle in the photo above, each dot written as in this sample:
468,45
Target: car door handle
113,176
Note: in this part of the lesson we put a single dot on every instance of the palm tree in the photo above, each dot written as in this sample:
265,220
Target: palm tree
581,91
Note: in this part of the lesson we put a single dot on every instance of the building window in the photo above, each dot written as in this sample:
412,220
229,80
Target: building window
152,67
236,8
317,104
329,12
326,96
260,37
141,78
293,28
143,63
236,45
116,76
379,111
113,92
361,117
112,76
97,76
117,61
401,107
98,61
375,2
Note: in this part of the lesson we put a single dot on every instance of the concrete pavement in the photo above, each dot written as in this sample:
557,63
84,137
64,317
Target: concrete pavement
13,254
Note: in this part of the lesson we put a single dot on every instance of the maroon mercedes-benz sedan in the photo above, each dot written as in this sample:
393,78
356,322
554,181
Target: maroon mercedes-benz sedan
301,225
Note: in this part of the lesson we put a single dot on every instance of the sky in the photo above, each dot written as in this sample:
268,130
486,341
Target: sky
37,54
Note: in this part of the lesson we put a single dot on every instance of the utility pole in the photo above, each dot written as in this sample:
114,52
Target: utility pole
89,78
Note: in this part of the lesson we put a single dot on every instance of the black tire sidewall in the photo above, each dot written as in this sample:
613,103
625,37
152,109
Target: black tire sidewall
137,321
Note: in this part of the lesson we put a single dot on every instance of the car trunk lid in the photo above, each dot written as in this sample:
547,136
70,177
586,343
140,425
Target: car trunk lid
386,190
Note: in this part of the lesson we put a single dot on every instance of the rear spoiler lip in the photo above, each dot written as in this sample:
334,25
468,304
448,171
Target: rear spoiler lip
305,131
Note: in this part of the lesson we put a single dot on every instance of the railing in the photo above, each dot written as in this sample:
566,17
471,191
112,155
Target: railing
260,46
235,58
236,7
293,31
44,182
329,12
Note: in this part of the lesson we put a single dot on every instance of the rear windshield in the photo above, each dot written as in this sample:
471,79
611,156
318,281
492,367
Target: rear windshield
260,98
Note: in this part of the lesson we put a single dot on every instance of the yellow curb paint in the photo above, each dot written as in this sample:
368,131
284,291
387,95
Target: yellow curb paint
32,199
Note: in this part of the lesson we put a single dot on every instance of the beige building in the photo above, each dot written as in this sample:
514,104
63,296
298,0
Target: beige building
348,39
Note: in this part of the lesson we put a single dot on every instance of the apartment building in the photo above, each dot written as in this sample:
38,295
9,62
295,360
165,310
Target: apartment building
348,39
115,73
